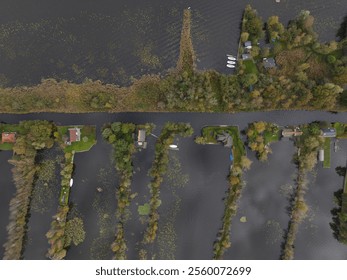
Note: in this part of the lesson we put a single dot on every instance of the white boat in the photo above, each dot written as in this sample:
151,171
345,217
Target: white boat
231,57
230,66
173,146
231,62
71,182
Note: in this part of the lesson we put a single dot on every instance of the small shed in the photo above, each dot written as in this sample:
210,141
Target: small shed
328,132
321,155
141,139
8,137
248,45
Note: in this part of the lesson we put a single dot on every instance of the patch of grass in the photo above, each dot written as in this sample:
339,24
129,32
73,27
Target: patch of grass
271,137
144,209
251,68
327,153
341,130
210,133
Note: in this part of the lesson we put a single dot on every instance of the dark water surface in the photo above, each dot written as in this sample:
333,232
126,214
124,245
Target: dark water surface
7,191
198,218
114,40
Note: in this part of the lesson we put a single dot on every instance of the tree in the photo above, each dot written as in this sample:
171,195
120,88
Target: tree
246,163
325,96
249,79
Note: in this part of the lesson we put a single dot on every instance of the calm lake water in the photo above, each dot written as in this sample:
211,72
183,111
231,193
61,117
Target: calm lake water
115,40
192,208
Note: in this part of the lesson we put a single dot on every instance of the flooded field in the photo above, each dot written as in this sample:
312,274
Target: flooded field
192,194
114,41
262,215
44,203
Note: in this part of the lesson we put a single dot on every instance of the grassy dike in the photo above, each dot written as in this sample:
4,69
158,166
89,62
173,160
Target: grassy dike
63,231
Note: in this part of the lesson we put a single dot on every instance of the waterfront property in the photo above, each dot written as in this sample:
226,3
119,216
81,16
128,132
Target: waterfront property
74,135
8,137
328,132
289,132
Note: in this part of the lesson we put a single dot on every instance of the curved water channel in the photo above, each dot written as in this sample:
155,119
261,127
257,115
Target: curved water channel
191,215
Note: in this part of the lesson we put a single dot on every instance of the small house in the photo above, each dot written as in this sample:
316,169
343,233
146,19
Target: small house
8,137
290,132
74,135
269,62
248,45
141,139
328,132
246,56
226,139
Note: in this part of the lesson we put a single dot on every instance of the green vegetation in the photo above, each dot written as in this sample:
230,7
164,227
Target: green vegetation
259,136
32,136
56,234
159,169
144,209
186,60
66,175
308,145
74,232
327,152
121,136
310,75
341,130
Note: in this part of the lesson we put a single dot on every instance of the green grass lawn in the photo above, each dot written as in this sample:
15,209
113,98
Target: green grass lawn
327,153
210,133
250,67
88,138
341,131
271,137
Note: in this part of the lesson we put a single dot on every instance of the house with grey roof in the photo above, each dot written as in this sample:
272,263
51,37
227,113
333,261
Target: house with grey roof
328,132
269,62
226,139
246,56
248,45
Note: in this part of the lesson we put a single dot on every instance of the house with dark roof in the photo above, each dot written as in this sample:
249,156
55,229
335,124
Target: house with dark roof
269,62
8,137
328,132
74,135
141,139
248,45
